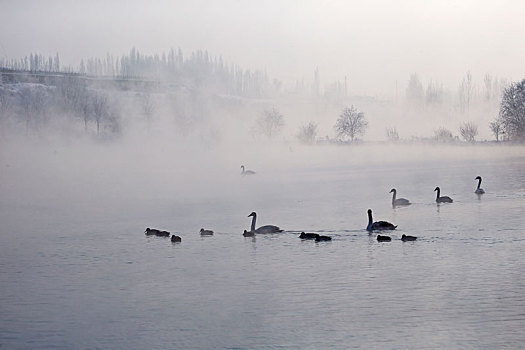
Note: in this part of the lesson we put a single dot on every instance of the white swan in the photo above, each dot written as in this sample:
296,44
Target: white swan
378,225
246,172
479,190
444,199
398,201
263,229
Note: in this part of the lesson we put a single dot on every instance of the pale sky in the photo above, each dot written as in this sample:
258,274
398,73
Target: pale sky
373,43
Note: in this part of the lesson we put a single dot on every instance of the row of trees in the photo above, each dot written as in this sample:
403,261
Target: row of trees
37,105
199,69
466,94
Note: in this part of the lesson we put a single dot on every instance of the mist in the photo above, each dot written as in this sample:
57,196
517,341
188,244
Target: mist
125,115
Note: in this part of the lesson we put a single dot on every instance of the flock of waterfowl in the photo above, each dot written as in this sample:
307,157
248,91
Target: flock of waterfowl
372,225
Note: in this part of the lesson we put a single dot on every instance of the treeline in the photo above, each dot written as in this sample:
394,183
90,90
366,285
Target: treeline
36,106
198,70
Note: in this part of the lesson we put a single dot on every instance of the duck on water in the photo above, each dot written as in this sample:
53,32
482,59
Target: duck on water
155,232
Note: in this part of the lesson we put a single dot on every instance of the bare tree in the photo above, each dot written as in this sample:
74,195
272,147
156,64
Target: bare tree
466,89
32,99
350,123
270,123
468,131
496,127
148,108
100,108
414,91
512,111
6,104
443,135
392,135
308,133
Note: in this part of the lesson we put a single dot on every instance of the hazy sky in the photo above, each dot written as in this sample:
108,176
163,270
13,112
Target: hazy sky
373,43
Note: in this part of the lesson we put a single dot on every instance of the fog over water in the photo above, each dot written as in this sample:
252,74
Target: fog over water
142,116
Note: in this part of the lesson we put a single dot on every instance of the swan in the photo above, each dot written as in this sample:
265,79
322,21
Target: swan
263,229
308,235
444,199
323,238
399,201
378,225
406,238
176,239
247,172
479,190
248,234
383,238
206,232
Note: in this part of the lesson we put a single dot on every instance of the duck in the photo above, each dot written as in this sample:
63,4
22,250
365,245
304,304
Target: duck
381,238
406,238
308,235
248,234
247,172
444,199
263,229
151,231
176,239
378,225
398,201
163,234
323,238
206,232
159,233
479,190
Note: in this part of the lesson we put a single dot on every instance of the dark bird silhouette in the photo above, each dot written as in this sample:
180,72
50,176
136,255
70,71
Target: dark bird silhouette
444,199
383,238
308,235
479,190
378,225
406,238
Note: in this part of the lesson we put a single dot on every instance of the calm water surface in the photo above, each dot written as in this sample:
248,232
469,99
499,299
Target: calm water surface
77,271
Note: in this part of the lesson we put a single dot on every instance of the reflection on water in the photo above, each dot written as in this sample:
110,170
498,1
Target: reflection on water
85,275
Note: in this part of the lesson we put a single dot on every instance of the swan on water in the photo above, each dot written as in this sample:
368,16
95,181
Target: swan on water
246,172
378,225
406,238
308,235
479,190
206,232
263,229
398,201
176,239
444,199
383,238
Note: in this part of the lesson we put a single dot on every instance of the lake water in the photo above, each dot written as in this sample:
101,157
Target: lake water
77,271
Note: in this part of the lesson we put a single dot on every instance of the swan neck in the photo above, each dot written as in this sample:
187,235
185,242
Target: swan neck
393,197
479,183
253,222
438,192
